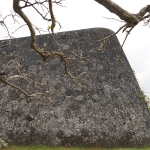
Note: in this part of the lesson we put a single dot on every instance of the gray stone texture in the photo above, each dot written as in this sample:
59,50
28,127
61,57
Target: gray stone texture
109,113
3,144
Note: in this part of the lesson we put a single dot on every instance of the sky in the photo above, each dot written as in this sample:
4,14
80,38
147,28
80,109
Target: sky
82,14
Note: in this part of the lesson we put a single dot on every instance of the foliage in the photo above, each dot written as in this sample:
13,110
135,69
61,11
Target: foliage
143,95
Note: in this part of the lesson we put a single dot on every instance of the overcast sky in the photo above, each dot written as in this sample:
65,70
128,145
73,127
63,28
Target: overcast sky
81,14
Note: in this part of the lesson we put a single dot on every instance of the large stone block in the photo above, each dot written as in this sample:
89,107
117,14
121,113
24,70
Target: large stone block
109,112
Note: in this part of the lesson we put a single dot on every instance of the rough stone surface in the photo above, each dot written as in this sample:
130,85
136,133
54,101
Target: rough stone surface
109,113
3,144
3,138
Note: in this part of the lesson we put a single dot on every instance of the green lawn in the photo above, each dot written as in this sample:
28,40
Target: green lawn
65,148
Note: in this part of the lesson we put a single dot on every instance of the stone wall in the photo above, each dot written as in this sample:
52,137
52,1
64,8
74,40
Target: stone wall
108,113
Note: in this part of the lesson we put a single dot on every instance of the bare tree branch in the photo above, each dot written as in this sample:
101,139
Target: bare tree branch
120,12
52,17
130,19
69,60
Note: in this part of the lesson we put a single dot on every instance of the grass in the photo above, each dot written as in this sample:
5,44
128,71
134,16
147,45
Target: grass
66,148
